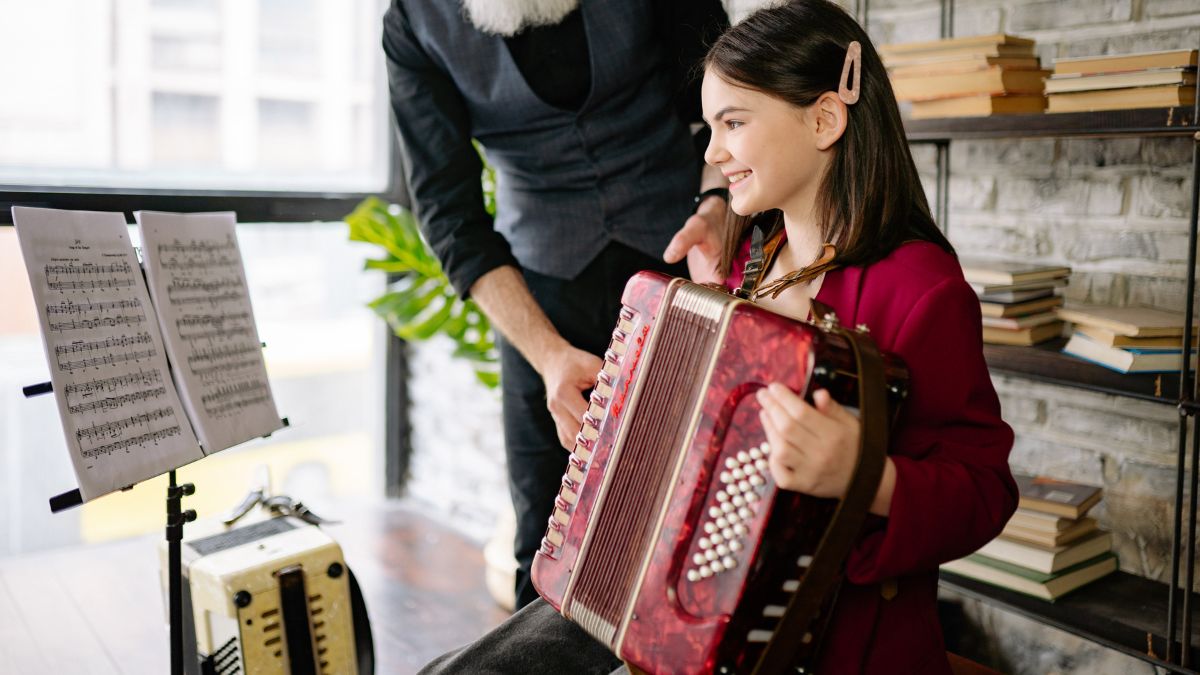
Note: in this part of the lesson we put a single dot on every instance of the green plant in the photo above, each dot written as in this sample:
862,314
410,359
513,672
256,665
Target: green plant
420,303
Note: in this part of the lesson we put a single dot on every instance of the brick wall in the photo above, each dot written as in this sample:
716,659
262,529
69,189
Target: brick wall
1114,210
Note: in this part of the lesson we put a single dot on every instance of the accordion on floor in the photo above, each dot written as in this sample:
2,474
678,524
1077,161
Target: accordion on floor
669,542
275,596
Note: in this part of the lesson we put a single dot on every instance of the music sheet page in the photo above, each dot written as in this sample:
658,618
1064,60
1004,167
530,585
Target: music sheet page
194,269
121,414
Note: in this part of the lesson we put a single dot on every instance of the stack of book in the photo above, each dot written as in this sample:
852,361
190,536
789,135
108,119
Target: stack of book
1127,339
1147,80
1049,547
967,77
1017,300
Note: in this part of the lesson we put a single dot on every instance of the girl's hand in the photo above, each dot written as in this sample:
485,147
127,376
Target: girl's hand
813,449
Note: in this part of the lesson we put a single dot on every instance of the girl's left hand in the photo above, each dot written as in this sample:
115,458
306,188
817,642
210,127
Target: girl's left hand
813,449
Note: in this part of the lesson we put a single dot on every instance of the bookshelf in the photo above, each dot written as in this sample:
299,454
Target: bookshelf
1120,611
1109,124
1124,612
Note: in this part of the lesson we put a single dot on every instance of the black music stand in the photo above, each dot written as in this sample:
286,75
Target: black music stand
176,517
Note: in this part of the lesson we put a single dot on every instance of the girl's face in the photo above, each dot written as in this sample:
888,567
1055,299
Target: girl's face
771,151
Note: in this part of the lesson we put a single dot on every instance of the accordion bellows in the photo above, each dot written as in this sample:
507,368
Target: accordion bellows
669,542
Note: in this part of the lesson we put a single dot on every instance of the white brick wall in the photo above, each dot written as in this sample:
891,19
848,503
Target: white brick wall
1115,210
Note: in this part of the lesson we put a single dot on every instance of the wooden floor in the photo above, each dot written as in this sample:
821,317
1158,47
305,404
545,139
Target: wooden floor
99,609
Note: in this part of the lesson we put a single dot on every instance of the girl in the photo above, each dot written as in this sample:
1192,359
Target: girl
806,128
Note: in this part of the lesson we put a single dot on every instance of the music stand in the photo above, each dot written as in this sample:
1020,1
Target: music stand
176,517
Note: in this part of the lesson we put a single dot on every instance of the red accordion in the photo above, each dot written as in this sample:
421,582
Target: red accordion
669,542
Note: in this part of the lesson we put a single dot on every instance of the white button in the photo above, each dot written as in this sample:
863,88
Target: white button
693,575
705,572
698,558
727,507
714,512
757,480
755,453
722,523
703,543
761,464
765,447
727,533
722,550
804,561
716,538
740,529
735,545
721,496
739,501
710,554
728,562
716,566
738,474
731,518
726,477
744,486
743,457
752,496
710,526
744,513
730,463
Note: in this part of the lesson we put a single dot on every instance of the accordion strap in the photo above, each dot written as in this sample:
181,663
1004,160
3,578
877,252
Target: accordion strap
824,574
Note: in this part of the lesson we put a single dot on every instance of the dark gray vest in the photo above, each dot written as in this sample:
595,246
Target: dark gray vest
622,168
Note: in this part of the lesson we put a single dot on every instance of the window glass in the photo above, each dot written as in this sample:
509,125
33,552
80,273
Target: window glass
173,94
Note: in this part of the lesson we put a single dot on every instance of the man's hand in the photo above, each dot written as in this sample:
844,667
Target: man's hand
700,240
567,373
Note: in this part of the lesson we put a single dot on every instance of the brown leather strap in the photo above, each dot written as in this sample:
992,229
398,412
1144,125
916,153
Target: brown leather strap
824,574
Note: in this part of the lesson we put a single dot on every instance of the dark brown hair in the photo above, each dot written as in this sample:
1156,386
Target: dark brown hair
870,199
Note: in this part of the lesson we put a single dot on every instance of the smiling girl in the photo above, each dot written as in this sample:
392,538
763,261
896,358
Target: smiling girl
806,128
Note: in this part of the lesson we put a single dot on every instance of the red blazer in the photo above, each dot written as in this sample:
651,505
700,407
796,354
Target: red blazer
954,490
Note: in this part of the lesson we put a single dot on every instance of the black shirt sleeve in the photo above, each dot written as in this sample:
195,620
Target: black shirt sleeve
686,29
442,167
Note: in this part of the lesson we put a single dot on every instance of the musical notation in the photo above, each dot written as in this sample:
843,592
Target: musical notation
117,428
231,397
127,320
145,378
199,286
220,353
152,437
213,372
121,413
81,308
108,357
114,402
91,285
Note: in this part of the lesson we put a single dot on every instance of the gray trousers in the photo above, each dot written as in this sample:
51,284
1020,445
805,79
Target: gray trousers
535,641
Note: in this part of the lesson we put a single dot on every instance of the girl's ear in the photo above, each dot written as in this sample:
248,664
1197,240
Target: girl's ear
832,115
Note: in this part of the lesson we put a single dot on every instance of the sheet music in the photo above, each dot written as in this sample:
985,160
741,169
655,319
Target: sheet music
121,415
194,269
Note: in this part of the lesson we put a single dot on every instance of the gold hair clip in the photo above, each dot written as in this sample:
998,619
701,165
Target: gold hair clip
848,94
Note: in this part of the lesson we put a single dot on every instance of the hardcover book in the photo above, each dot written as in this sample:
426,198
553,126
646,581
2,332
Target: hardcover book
1010,309
1023,337
1127,321
1002,272
1048,560
1029,582
1116,63
1058,497
1125,360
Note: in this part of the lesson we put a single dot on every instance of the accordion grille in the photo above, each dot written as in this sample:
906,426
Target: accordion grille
644,463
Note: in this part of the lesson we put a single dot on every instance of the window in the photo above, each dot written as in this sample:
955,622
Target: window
171,95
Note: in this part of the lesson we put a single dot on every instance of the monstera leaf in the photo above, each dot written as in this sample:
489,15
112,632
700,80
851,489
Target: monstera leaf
420,303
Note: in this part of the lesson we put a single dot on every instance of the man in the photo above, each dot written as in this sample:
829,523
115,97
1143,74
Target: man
582,110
